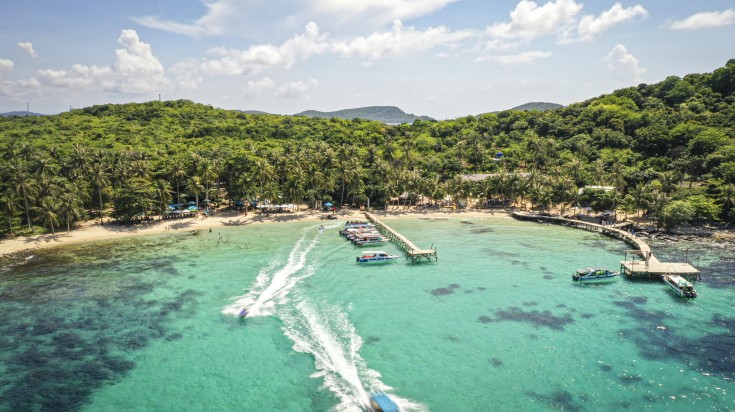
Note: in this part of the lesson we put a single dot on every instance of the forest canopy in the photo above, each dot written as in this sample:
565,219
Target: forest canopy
666,149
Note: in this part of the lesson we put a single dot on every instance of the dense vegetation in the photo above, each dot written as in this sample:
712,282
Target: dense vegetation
668,149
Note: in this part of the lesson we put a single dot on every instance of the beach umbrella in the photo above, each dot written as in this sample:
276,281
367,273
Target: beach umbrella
192,203
206,200
179,204
192,208
328,204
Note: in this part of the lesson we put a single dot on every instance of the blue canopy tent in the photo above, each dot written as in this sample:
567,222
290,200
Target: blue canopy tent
328,204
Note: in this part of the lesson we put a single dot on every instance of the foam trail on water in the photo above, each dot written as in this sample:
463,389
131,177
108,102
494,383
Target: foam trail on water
272,288
327,334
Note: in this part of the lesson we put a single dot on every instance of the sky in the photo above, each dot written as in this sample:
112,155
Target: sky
439,58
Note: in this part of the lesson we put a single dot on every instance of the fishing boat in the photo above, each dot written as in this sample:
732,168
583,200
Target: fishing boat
594,274
380,402
681,286
375,256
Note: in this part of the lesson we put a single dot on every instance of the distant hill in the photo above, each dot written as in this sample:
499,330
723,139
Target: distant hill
541,106
252,112
385,114
20,114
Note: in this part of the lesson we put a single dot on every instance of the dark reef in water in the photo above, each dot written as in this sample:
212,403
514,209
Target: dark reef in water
496,362
56,354
534,317
445,291
712,353
562,400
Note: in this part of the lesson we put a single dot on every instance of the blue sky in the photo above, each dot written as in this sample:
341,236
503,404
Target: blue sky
441,58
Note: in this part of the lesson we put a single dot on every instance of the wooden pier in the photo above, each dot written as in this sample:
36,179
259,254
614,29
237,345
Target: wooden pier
412,252
648,266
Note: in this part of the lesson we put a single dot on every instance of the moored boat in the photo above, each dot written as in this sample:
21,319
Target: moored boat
375,256
680,286
593,274
380,402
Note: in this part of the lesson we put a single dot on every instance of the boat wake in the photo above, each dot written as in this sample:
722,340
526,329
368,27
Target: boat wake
327,334
324,332
273,285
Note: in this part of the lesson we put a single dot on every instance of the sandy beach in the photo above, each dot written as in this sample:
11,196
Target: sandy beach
91,231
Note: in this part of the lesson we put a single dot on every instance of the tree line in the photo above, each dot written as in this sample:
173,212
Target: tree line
666,150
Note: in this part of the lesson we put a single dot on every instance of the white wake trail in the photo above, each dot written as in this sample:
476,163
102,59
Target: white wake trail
272,288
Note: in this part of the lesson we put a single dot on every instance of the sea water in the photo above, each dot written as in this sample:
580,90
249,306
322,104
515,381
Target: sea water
150,323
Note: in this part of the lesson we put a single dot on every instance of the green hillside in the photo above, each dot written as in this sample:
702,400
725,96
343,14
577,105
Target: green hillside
667,148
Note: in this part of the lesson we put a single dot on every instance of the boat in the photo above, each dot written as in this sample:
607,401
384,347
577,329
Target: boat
593,274
380,402
681,286
243,312
375,256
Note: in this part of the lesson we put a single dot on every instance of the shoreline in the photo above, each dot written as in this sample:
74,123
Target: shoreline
91,231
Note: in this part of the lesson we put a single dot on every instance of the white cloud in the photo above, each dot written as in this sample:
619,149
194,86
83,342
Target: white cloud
590,26
187,75
529,21
515,59
258,87
228,17
398,41
556,18
259,57
624,65
136,70
706,20
5,66
382,10
28,48
295,89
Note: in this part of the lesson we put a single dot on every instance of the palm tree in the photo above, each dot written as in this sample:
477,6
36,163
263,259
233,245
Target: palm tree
639,193
46,211
178,174
100,178
163,195
10,205
27,188
194,185
727,196
70,208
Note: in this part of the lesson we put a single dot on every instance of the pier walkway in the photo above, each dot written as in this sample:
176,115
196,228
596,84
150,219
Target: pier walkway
412,252
649,266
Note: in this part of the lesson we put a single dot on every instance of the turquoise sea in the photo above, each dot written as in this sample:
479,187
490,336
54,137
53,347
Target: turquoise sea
149,323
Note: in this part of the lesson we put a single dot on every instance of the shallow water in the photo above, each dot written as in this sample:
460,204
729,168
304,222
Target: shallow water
496,324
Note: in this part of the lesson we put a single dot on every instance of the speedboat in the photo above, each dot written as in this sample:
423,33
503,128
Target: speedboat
593,274
243,312
681,286
380,402
375,256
